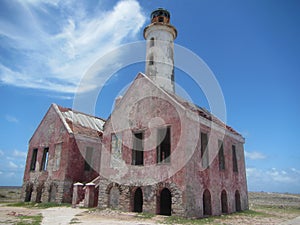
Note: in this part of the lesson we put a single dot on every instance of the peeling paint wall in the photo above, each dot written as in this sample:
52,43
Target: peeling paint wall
65,162
145,108
188,183
160,54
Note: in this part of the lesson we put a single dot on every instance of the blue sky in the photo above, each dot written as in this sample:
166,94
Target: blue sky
252,47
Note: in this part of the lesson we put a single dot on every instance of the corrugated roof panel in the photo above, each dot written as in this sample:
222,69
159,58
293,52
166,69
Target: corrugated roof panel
84,120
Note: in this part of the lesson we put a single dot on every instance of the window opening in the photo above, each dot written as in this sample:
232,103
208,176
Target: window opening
163,145
152,42
88,159
151,60
138,149
116,149
234,159
221,156
33,159
45,159
204,150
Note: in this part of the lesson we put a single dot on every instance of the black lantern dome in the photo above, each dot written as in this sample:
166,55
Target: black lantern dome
160,15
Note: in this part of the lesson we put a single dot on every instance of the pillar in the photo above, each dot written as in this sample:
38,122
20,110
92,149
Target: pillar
89,196
77,193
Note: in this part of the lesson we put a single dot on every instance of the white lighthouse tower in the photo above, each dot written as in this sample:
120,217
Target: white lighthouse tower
160,36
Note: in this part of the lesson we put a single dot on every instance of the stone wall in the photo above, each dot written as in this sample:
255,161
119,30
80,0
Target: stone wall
113,195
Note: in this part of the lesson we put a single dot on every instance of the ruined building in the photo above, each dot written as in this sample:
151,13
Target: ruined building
56,159
155,153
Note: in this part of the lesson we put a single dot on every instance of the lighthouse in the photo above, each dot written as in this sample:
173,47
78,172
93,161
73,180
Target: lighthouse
160,36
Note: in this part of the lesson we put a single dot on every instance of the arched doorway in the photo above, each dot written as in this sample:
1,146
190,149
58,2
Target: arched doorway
52,193
114,196
138,200
165,202
39,192
206,203
238,207
28,192
224,202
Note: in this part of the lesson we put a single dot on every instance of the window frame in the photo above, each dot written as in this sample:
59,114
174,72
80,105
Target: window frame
204,150
235,167
45,159
160,19
221,155
33,159
152,42
138,153
159,152
151,60
88,158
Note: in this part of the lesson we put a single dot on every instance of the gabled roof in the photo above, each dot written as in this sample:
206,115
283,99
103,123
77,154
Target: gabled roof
78,122
202,112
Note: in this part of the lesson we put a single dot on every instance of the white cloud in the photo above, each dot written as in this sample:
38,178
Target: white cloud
1,172
19,154
273,180
11,118
295,170
56,57
64,97
279,176
1,153
254,155
12,165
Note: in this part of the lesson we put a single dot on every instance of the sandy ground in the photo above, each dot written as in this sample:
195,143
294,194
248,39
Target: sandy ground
117,218
295,221
268,208
11,215
59,215
67,215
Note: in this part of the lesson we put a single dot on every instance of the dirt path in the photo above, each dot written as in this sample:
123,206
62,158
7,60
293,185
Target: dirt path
295,221
59,215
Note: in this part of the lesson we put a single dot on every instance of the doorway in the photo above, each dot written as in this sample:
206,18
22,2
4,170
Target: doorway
165,202
206,203
238,207
28,192
224,202
138,201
